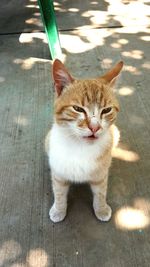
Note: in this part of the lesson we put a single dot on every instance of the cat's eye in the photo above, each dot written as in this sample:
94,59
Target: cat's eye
106,110
78,109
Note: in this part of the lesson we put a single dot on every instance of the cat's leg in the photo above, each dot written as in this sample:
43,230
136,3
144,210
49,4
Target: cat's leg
59,209
101,208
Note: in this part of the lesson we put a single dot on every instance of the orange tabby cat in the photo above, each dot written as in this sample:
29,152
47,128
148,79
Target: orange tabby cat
80,141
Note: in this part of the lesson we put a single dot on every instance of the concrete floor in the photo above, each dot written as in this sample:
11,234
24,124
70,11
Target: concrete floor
27,237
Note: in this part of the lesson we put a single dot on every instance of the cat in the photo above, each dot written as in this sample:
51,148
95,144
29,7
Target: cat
80,141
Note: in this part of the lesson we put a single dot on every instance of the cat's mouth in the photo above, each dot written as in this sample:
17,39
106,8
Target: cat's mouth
91,137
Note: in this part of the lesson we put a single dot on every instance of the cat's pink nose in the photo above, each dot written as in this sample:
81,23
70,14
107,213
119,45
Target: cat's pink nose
94,128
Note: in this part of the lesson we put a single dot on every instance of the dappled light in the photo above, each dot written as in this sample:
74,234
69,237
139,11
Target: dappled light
27,64
126,91
134,217
2,79
33,21
125,155
108,62
126,15
116,45
29,37
145,38
115,13
132,69
130,218
73,9
121,151
84,40
137,54
74,44
116,136
119,14
133,29
146,65
96,38
37,258
123,41
96,16
21,120
32,6
9,250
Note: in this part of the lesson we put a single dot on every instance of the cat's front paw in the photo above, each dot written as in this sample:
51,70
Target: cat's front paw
57,215
103,213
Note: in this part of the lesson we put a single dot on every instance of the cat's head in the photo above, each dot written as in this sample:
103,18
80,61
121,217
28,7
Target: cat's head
85,108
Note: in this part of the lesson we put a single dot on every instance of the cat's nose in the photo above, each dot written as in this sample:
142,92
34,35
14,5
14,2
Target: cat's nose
94,127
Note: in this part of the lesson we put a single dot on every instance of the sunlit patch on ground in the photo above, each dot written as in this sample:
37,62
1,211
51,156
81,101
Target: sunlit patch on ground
145,38
21,120
2,79
74,44
28,63
73,9
146,65
131,218
116,45
123,41
107,62
29,37
125,155
37,257
125,91
137,54
96,16
120,151
32,6
34,21
84,40
9,250
132,69
126,14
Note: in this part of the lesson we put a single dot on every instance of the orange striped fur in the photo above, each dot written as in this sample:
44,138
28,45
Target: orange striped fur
81,139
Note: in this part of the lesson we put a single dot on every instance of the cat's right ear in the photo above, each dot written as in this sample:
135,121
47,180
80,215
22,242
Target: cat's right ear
61,76
112,75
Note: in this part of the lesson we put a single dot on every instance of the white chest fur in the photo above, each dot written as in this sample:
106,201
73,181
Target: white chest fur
72,159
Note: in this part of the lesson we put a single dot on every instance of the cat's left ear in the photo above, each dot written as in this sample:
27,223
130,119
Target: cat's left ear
61,76
112,75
